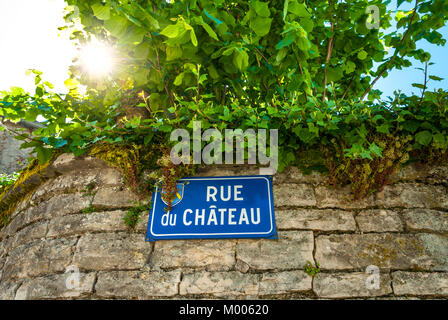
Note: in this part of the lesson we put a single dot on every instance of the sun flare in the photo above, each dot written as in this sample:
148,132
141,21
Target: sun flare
97,59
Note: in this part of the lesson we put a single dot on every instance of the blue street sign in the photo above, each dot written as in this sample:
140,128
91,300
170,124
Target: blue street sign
215,207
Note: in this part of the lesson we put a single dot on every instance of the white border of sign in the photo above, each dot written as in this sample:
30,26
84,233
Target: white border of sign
216,234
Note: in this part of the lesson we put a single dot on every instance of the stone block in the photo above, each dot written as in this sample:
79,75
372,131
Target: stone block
284,282
55,286
58,205
384,250
78,224
426,220
312,219
28,234
39,258
80,181
420,283
209,254
288,194
114,197
220,284
350,285
137,284
378,220
291,251
111,251
294,175
8,290
342,198
68,163
412,195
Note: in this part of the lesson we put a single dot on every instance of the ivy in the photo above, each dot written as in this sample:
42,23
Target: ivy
133,215
304,68
7,180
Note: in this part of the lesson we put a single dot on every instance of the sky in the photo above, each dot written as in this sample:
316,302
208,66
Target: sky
29,38
403,79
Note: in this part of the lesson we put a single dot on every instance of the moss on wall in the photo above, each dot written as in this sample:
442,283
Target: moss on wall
30,178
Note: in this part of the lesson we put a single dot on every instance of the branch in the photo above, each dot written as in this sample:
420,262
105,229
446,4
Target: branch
145,99
348,87
161,74
327,59
14,132
197,89
386,67
301,72
267,61
425,83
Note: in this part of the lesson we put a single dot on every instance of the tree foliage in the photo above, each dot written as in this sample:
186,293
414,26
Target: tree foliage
254,51
307,68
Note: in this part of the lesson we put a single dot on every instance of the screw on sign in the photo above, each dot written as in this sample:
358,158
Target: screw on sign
215,207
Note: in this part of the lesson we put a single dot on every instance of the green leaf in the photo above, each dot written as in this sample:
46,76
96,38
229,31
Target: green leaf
216,21
21,137
71,83
307,24
240,59
286,41
411,125
141,76
435,78
299,9
60,143
376,150
142,51
334,74
40,91
281,55
418,85
100,11
440,140
172,30
366,155
209,30
384,128
303,44
116,26
148,138
304,134
362,55
349,67
227,52
153,22
260,25
285,9
194,40
424,137
131,18
213,72
262,8
173,53
43,154
179,79
155,101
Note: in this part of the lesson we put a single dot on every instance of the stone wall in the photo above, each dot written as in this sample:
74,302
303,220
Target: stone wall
12,158
402,230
